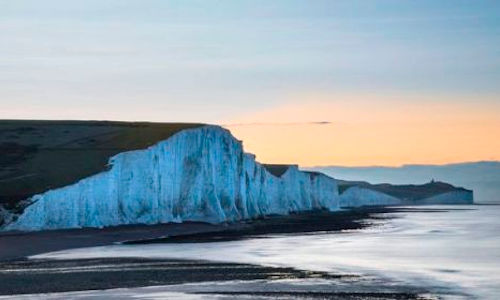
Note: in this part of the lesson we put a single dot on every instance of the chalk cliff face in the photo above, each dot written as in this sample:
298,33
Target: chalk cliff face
453,197
198,174
358,196
202,174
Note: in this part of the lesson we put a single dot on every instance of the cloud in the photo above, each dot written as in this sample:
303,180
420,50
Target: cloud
278,123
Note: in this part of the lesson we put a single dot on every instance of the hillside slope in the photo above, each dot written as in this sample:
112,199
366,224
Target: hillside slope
36,156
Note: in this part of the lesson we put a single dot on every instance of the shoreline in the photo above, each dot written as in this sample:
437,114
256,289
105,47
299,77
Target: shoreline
18,245
21,275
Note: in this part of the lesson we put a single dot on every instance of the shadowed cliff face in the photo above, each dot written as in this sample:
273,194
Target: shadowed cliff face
36,156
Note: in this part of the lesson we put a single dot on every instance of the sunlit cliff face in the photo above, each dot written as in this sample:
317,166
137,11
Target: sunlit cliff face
373,130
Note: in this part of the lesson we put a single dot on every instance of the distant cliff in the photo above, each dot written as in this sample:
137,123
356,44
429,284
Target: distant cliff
356,196
358,193
483,177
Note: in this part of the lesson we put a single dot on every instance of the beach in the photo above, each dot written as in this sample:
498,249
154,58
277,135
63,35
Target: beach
368,253
18,245
22,273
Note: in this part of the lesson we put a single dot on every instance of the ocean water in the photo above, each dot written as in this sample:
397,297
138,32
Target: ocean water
449,250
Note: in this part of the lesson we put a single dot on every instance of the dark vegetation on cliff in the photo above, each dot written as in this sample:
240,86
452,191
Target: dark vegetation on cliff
410,193
277,169
36,156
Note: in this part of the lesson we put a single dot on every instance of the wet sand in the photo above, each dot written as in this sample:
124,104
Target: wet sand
17,245
19,275
41,276
231,280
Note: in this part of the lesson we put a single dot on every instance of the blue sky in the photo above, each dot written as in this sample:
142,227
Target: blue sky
213,60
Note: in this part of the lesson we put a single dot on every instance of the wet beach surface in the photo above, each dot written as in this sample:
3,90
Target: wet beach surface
19,275
16,245
303,223
41,276
216,279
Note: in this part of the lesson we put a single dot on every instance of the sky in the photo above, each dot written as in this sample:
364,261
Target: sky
310,82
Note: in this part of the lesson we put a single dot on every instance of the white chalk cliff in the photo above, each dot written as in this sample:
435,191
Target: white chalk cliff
358,196
452,197
198,174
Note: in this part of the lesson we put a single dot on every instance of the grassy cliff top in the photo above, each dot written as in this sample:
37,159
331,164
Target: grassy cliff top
277,169
36,156
407,192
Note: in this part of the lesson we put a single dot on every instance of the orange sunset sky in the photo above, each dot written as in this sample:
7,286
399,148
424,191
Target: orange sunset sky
373,130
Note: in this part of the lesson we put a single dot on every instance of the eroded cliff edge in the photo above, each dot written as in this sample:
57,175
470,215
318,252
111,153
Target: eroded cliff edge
199,174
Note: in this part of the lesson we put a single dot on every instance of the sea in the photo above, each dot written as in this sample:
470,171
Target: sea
449,252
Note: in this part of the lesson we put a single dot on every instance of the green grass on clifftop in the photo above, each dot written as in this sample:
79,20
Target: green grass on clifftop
36,156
